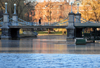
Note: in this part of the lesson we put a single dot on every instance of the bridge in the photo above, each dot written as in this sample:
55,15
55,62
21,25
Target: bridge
10,26
75,25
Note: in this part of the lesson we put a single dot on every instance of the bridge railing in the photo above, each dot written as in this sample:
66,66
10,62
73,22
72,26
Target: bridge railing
61,22
25,22
82,20
86,21
12,21
20,22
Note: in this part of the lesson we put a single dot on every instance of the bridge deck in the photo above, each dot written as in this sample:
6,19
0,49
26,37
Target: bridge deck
90,25
37,26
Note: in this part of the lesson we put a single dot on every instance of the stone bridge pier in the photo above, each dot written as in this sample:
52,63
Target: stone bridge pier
5,28
14,32
72,31
8,32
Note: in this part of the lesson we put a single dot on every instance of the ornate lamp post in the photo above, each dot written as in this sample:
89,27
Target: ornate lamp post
71,7
14,8
77,7
6,8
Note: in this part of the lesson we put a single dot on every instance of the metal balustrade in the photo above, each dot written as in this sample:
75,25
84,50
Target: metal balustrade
58,23
84,20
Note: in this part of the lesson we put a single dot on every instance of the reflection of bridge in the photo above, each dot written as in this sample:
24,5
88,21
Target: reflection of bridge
76,24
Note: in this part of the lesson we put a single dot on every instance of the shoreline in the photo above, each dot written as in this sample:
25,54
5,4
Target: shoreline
49,34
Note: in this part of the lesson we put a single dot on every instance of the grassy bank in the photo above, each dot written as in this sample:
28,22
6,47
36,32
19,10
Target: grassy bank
46,32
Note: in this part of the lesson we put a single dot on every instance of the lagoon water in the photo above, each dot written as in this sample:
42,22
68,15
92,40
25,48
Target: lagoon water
48,51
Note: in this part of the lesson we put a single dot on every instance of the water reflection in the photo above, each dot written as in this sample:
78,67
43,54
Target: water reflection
10,43
48,44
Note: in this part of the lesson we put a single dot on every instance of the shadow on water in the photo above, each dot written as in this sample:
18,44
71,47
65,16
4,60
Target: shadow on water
10,43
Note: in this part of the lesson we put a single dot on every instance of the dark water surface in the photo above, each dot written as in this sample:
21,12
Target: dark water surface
48,44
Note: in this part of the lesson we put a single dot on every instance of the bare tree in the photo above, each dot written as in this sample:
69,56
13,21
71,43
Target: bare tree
22,7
